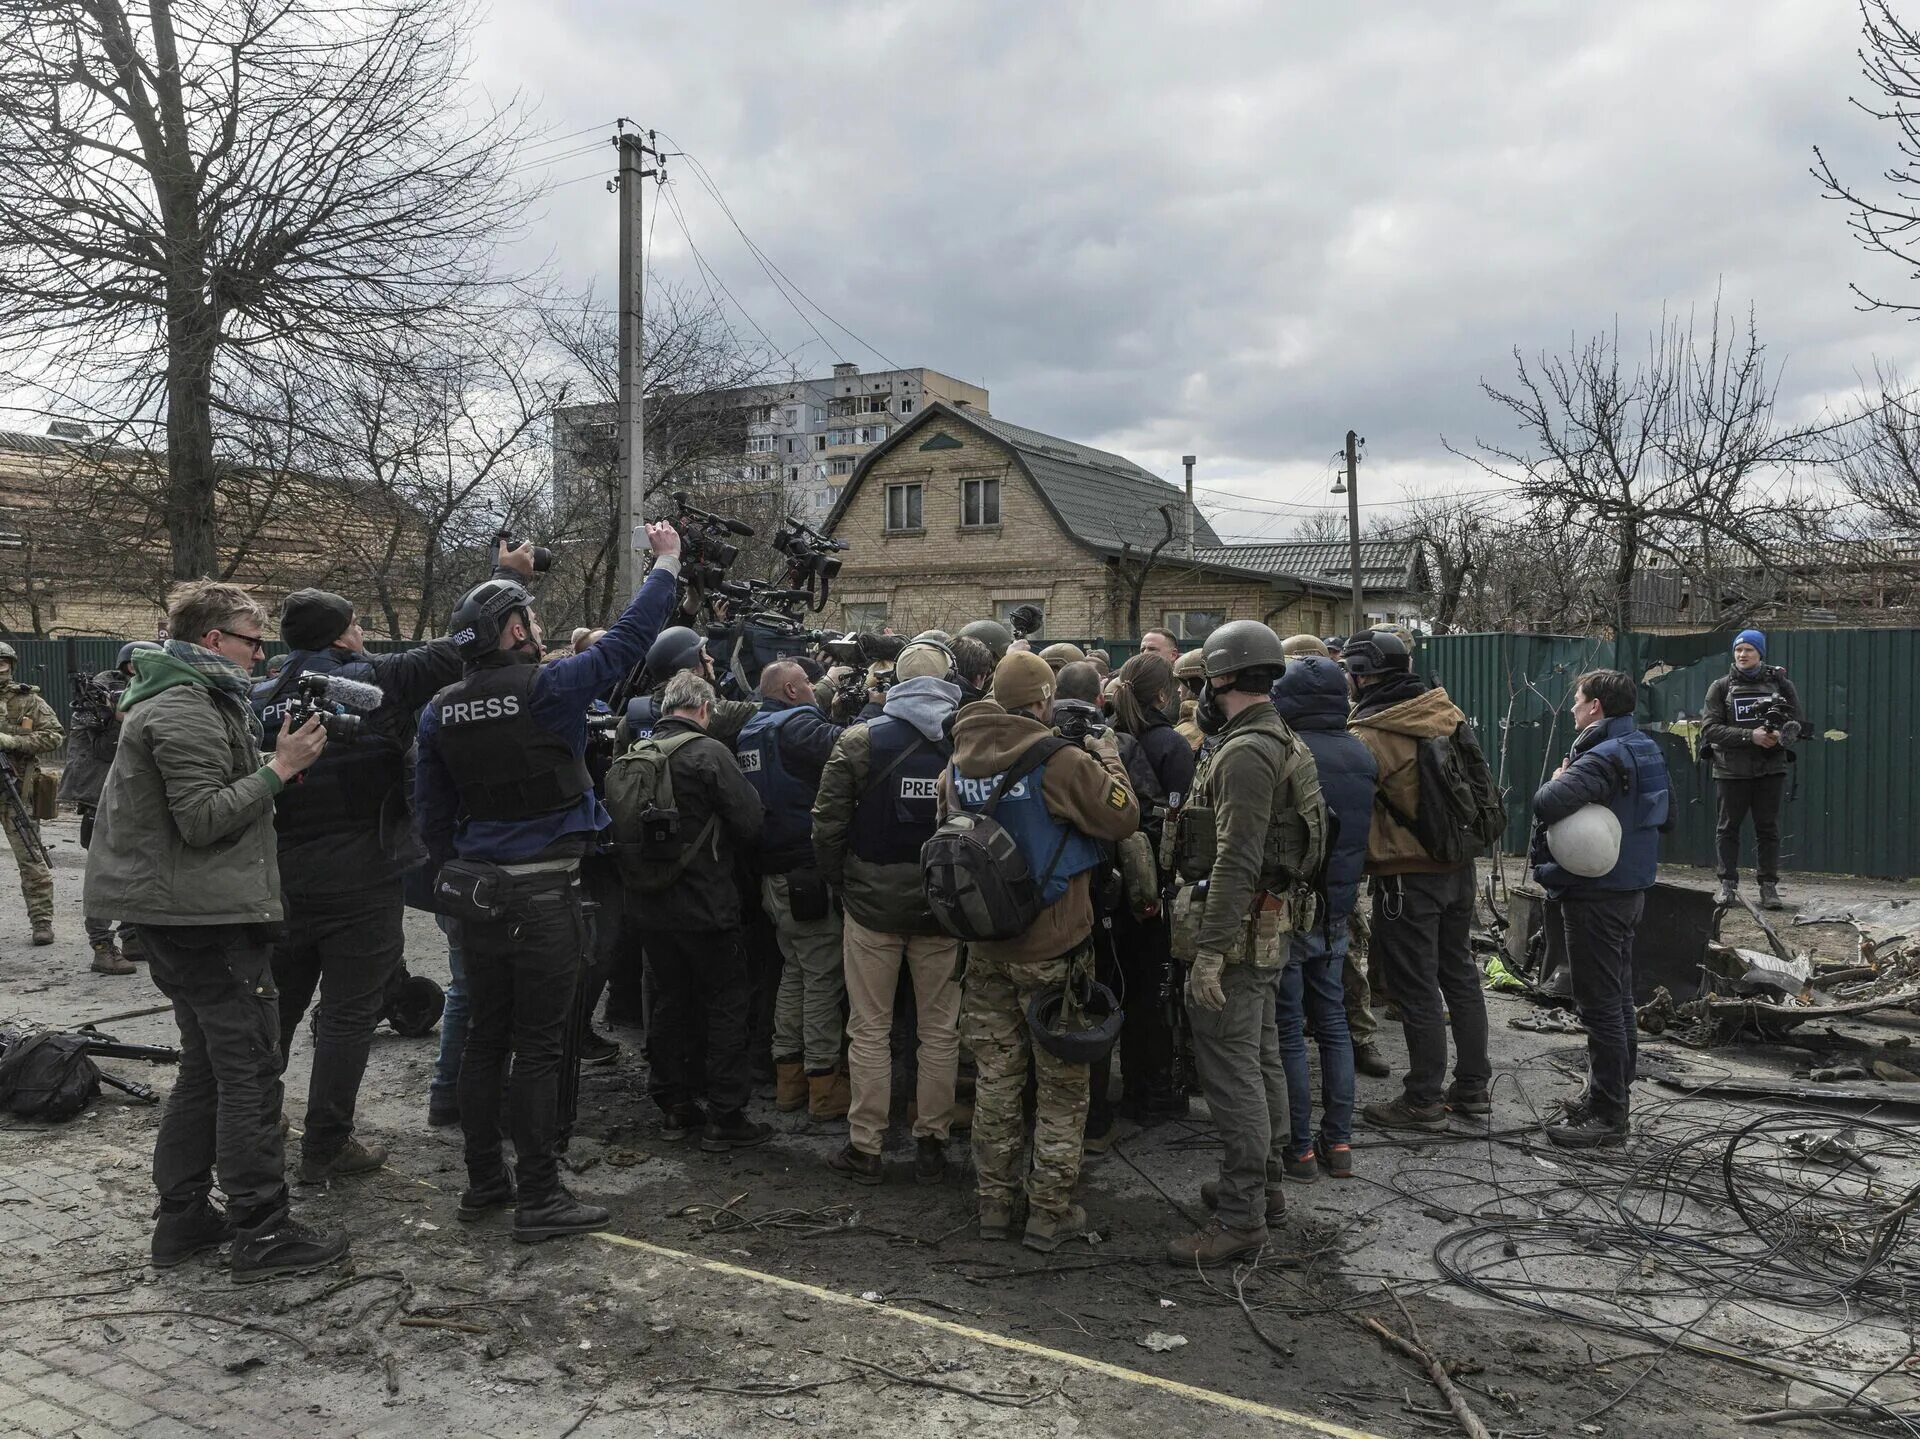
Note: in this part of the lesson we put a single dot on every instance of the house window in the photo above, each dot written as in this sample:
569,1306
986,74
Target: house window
979,502
819,414
819,442
906,406
867,615
875,404
842,467
871,435
793,474
1003,612
757,444
819,472
793,445
793,418
903,507
1192,626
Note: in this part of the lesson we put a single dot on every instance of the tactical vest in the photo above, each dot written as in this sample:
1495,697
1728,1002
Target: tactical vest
344,790
1294,842
1749,697
1054,850
787,800
900,807
1641,801
506,766
642,715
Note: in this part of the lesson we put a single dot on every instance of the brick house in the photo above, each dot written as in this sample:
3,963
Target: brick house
960,515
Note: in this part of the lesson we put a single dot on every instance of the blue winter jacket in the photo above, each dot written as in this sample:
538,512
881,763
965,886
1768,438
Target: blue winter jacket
1614,764
1311,696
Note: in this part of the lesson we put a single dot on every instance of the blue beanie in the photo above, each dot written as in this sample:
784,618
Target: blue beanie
1752,637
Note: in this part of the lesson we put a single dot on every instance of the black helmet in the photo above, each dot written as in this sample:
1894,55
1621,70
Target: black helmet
991,633
676,649
128,651
414,1007
1242,645
1100,1013
478,618
1376,652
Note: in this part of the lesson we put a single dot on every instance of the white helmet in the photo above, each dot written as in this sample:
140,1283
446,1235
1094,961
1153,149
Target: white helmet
1586,842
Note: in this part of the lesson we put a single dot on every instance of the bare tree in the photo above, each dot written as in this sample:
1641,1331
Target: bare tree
1678,457
1877,457
1886,218
1452,535
1321,527
191,190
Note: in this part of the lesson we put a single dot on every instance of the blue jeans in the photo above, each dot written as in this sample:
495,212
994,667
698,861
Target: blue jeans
1310,985
453,1022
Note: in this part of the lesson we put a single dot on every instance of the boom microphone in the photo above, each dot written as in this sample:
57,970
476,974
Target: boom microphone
353,694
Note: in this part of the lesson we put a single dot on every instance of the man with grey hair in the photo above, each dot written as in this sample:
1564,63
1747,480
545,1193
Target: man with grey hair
679,874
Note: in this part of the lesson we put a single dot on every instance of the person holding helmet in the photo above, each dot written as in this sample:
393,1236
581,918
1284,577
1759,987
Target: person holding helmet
877,805
675,651
1247,844
1422,904
28,729
91,741
1061,807
503,795
1596,852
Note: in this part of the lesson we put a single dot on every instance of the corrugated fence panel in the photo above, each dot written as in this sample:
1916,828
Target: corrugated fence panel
1855,790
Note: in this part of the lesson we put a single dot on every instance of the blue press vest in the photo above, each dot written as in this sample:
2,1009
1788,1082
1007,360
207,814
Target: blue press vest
894,819
642,716
787,801
1023,813
1642,806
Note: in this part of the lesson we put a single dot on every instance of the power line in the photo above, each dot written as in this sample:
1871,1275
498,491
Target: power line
711,275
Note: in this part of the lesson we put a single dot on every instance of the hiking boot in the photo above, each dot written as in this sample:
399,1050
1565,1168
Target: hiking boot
789,1086
829,1095
1210,1196
1468,1098
442,1112
1305,1168
1336,1159
1770,897
1097,1146
179,1235
680,1121
284,1246
108,960
1047,1232
1216,1244
1729,893
726,1132
43,931
1398,1113
859,1167
1367,1059
481,1198
996,1219
353,1158
596,1048
930,1160
1586,1129
556,1214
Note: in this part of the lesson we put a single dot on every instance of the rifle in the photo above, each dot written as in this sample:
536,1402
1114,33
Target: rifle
15,805
105,1046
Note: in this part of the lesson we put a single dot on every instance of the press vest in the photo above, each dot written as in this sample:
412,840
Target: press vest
506,766
343,790
1641,801
1054,850
896,816
1749,696
642,716
787,800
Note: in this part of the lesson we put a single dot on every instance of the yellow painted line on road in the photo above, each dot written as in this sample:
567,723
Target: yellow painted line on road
1000,1341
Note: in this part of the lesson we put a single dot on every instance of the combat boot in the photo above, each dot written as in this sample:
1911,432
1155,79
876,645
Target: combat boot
43,931
1047,1232
789,1086
1216,1244
108,960
999,1216
556,1214
829,1095
1770,897
180,1234
481,1198
860,1167
353,1158
1729,893
732,1130
1367,1059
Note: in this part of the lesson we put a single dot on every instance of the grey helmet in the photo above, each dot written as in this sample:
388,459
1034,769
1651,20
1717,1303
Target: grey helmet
991,633
674,650
1242,645
938,637
1376,652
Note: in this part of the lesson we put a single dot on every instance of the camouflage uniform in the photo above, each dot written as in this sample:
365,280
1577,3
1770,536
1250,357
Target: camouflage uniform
30,729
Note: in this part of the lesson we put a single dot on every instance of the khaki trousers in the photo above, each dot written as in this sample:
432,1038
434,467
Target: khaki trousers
873,961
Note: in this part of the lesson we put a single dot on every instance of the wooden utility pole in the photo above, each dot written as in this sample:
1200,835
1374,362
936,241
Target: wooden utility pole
632,422
1353,526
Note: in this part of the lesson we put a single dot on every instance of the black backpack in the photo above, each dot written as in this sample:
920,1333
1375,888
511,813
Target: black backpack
1462,812
47,1075
977,883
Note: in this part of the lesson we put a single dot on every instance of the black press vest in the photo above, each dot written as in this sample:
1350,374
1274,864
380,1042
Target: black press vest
506,766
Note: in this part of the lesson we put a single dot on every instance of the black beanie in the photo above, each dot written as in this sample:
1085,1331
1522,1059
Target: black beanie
313,619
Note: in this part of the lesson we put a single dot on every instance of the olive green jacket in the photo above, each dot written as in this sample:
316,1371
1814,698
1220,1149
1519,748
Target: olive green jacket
29,727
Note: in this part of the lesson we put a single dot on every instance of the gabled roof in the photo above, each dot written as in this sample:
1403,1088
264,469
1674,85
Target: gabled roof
1384,564
1102,499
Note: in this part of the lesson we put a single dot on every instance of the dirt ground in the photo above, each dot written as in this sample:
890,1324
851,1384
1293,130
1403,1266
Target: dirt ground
757,1293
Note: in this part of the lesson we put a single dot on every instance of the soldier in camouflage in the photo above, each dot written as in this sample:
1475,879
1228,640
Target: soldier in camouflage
28,730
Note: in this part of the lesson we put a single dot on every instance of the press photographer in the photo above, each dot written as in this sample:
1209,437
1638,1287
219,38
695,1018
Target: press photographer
91,740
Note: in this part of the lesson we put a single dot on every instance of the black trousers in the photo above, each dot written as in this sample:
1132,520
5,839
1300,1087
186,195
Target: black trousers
348,947
224,1112
523,973
1420,940
1599,931
1146,1040
1759,798
698,985
1106,969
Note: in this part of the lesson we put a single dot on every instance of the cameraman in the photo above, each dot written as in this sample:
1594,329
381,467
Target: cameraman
91,740
502,784
345,836
1752,720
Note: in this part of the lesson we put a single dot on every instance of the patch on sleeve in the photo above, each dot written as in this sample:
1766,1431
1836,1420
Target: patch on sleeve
1117,796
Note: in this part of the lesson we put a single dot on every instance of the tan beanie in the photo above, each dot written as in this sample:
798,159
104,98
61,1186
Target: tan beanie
1294,646
1022,679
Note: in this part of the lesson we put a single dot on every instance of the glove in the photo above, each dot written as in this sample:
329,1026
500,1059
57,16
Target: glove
1204,990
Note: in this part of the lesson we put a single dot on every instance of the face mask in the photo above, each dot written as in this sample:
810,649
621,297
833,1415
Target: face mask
1210,716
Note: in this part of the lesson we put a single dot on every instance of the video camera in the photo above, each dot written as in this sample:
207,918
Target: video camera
1777,718
92,701
326,696
1077,720
705,551
1024,620
813,560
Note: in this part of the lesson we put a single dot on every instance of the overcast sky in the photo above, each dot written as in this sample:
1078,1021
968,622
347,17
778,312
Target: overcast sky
1235,229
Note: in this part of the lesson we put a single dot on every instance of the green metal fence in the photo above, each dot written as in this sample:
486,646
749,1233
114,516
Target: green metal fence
1855,789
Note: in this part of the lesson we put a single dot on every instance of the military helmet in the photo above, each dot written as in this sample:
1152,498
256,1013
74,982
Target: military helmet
1190,666
1241,645
6,652
482,613
674,650
129,650
1101,1018
938,637
991,633
1376,652
1062,654
414,1006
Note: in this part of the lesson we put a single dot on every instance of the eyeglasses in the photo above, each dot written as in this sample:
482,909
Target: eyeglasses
259,644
